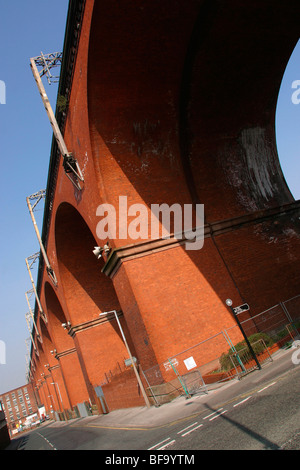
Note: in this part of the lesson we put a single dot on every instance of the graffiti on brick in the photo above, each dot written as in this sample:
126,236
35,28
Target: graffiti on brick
173,362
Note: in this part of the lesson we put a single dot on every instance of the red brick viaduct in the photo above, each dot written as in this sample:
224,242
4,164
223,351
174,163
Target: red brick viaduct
169,101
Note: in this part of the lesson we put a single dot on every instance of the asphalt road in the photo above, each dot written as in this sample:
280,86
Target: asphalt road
266,418
260,412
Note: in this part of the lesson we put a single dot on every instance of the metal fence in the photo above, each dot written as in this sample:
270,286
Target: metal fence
242,360
279,321
219,358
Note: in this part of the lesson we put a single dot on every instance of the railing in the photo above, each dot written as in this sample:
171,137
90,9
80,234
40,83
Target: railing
188,372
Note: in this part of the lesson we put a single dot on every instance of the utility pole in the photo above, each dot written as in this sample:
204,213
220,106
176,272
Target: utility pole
37,197
233,310
29,262
47,62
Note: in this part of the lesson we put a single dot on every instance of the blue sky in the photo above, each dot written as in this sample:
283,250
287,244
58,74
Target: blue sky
288,125
28,27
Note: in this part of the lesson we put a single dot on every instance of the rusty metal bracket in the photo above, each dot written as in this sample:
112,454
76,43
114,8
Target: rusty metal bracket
47,62
37,197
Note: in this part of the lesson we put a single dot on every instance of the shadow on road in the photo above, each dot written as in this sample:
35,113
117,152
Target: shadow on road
268,445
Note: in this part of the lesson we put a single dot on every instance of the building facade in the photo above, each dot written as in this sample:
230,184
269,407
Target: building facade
4,434
163,106
18,405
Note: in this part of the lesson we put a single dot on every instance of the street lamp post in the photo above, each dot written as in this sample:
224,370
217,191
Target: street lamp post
131,358
229,304
55,384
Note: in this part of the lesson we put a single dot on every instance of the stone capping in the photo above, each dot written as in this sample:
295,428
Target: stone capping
74,330
65,353
148,247
51,368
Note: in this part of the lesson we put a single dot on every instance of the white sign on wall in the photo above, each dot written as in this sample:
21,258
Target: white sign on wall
190,363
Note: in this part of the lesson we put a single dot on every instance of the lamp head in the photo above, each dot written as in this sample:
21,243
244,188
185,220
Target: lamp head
98,251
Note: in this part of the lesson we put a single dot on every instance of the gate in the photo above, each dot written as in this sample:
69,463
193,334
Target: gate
220,358
194,383
243,361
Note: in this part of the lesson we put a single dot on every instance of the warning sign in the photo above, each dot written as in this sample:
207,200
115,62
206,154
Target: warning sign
190,363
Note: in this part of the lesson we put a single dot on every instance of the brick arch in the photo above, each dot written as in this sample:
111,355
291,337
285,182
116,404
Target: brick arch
161,132
72,383
42,382
56,381
228,101
87,291
133,82
56,317
184,96
47,346
182,100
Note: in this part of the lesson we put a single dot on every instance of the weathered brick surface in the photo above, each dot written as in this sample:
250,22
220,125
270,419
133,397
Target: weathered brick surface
147,120
264,258
122,391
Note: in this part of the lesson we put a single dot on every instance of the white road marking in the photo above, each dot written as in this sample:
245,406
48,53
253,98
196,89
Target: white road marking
54,448
191,430
187,427
270,385
166,445
211,414
243,401
159,443
217,416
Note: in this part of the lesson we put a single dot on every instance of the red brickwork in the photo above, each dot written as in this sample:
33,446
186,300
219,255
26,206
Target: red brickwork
149,119
122,391
18,404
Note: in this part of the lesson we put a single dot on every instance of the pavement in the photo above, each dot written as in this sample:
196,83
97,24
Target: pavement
182,408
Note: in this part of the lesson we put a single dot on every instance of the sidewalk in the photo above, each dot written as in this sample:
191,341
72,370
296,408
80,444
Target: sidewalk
143,417
181,407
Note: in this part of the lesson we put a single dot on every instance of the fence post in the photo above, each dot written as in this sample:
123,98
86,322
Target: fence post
286,312
179,378
227,337
150,388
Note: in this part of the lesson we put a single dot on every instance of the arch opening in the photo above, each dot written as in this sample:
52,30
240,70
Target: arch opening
56,318
287,123
87,290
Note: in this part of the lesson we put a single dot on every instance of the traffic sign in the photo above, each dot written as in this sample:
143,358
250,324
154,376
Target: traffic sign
241,308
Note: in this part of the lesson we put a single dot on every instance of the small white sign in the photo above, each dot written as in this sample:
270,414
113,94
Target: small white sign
190,363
